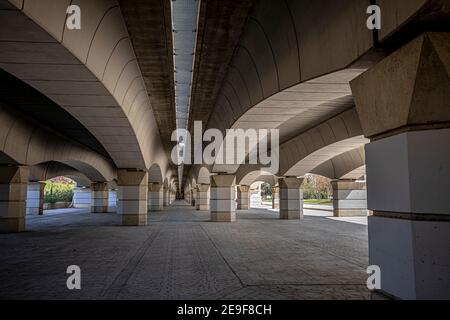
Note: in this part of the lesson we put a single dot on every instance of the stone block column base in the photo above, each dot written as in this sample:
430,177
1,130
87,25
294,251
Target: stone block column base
155,197
243,197
132,197
13,196
223,216
203,194
349,198
35,198
413,255
99,198
291,198
222,203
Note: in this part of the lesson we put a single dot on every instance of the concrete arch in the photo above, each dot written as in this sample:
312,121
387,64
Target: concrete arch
28,144
286,49
155,174
203,175
193,182
92,73
6,160
308,150
349,165
50,170
248,178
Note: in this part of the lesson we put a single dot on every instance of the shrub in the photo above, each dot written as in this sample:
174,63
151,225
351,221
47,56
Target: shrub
58,191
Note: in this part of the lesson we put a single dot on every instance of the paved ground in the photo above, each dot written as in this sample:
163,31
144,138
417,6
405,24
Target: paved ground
180,255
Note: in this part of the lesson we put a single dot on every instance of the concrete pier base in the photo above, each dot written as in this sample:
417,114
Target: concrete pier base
223,204
133,197
13,196
291,198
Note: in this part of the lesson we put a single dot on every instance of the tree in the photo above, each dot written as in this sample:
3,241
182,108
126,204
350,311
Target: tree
316,187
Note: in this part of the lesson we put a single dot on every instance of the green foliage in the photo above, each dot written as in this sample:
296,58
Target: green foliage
59,190
266,191
316,187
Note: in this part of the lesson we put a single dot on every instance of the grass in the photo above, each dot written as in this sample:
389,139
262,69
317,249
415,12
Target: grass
322,202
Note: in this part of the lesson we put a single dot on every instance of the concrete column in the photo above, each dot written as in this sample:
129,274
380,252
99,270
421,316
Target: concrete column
193,196
349,198
403,106
13,196
222,202
243,197
82,198
99,197
166,197
276,197
291,198
187,196
255,197
112,201
155,197
133,195
203,194
35,198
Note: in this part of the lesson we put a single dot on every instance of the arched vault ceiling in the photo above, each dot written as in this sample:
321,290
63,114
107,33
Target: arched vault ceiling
23,98
286,43
348,165
92,73
150,29
303,106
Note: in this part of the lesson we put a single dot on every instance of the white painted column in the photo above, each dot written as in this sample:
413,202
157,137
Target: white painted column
403,108
13,196
82,198
349,198
155,197
35,198
408,183
99,197
203,194
112,201
133,197
222,202
243,197
291,198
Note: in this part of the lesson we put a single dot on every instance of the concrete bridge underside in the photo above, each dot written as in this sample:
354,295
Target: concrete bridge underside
366,109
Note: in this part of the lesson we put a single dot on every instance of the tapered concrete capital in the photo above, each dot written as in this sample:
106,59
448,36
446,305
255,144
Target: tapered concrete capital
132,178
223,180
409,88
155,187
243,189
14,174
203,187
290,183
